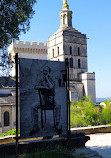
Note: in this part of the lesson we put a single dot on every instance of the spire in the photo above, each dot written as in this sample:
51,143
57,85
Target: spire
65,16
65,5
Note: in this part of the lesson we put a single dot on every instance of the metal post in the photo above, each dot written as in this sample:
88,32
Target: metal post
69,131
68,100
66,62
16,62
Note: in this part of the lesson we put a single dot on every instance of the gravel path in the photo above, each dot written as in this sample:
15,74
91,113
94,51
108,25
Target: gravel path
100,143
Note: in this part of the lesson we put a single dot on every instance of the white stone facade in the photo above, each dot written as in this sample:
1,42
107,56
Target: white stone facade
26,49
88,80
70,44
7,105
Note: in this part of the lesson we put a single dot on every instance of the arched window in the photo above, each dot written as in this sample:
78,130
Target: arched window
79,63
70,50
64,19
71,63
78,51
6,118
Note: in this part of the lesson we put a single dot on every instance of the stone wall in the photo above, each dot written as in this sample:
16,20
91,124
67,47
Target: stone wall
76,91
77,42
12,117
26,49
5,108
54,43
88,80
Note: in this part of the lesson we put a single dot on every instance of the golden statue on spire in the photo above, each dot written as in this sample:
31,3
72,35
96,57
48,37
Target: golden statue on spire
65,4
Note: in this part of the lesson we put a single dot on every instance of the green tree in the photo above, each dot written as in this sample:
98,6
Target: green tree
84,113
4,62
15,18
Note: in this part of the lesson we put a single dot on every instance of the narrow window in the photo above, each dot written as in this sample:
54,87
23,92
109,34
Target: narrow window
78,51
6,118
71,62
66,59
58,50
52,52
79,63
70,50
64,19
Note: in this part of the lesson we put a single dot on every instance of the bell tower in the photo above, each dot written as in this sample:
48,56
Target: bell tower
69,43
65,16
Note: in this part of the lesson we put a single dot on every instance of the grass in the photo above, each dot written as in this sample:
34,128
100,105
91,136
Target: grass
57,152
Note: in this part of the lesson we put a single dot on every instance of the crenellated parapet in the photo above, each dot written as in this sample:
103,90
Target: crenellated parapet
28,43
27,47
30,50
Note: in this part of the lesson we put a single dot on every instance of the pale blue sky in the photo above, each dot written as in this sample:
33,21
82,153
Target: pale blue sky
90,17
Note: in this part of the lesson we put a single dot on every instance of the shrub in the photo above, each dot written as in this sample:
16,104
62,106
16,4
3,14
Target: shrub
106,113
84,113
11,132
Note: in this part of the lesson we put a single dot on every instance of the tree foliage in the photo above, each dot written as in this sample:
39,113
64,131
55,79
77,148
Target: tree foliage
15,17
85,112
106,112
